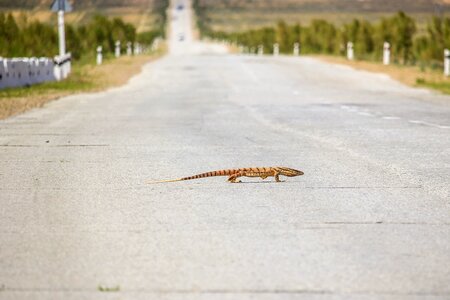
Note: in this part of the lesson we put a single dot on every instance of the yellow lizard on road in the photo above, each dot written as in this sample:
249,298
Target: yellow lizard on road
234,174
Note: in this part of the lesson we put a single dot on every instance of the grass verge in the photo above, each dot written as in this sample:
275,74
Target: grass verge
84,78
410,75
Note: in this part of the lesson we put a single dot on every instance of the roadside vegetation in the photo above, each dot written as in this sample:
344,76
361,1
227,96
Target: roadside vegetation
324,37
21,37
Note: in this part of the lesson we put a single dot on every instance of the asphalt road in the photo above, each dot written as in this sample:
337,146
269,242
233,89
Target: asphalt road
370,219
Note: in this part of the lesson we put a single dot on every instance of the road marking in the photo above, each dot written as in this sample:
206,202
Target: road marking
391,118
436,125
371,114
349,108
428,124
415,122
443,127
362,113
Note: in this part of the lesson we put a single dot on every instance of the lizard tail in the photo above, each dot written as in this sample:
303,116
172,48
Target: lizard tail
203,175
162,181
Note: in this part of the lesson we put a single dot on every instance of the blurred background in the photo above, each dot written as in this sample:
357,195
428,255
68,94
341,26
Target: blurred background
418,30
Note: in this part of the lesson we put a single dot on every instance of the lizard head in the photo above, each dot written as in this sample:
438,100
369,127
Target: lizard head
289,172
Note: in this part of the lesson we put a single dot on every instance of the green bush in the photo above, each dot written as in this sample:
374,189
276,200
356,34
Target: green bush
321,36
41,39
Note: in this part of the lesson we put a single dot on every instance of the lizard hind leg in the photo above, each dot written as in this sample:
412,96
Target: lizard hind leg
233,178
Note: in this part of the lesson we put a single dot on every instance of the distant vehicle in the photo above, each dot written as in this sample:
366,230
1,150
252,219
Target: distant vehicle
180,7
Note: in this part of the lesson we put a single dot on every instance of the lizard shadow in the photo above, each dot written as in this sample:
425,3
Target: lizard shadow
264,182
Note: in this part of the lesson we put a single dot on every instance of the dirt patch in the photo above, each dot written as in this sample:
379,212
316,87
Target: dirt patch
14,106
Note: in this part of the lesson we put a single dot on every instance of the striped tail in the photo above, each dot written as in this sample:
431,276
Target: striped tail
161,181
203,175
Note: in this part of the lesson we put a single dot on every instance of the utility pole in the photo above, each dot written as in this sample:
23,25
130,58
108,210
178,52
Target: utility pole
61,6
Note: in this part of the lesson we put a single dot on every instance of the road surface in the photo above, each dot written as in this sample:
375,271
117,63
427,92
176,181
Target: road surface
370,219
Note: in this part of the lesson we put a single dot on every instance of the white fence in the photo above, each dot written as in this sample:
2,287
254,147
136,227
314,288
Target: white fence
16,72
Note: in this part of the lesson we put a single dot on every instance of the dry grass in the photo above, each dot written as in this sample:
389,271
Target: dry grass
409,75
86,78
116,72
142,19
14,106
234,15
240,20
329,5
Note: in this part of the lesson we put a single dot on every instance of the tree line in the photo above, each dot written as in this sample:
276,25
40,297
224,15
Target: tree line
321,36
20,37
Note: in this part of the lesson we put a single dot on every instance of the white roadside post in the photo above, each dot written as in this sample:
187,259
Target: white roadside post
99,55
447,62
296,49
276,49
350,54
68,65
136,49
62,68
386,53
117,50
260,50
129,50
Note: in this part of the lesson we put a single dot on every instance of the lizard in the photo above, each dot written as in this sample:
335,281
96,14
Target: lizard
234,174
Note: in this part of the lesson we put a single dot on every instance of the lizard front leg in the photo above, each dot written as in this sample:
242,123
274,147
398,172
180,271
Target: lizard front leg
277,176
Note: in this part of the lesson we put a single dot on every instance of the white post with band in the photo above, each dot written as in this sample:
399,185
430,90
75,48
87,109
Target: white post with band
129,50
350,54
296,49
99,55
386,53
276,49
117,49
260,50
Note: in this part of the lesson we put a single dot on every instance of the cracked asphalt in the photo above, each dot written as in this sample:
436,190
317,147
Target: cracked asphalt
370,219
